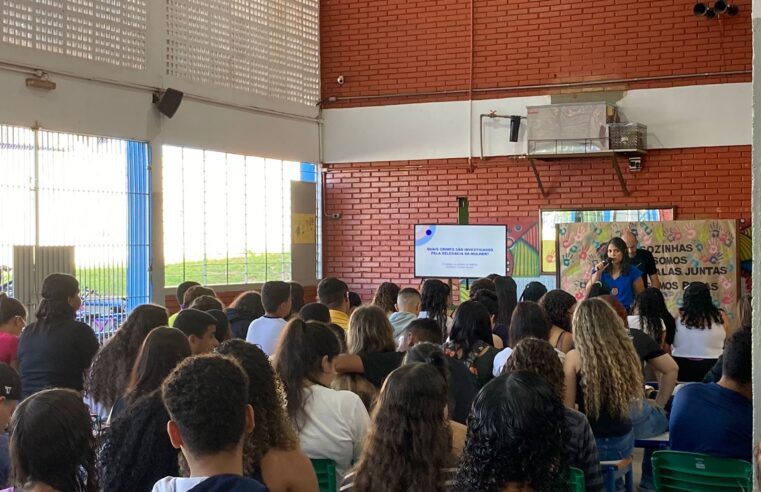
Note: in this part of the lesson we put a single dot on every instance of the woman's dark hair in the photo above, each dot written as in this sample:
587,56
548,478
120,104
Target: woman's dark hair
507,299
112,366
471,325
409,441
340,334
434,299
52,442
620,244
431,354
697,310
489,300
182,288
529,320
539,357
650,306
297,296
298,358
57,288
272,429
206,303
557,304
385,296
533,291
10,308
482,284
354,300
194,292
222,332
516,433
249,302
315,311
135,451
162,350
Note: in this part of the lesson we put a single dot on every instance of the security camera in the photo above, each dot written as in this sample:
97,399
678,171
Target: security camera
340,80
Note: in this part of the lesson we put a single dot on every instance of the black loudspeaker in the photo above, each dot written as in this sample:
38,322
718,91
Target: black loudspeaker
720,6
699,9
515,126
168,102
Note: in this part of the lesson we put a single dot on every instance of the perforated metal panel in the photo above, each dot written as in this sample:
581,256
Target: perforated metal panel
108,31
266,47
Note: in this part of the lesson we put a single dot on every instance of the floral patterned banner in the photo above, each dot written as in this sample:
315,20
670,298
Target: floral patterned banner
685,251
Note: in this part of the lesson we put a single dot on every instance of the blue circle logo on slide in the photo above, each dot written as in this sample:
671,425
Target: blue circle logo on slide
424,234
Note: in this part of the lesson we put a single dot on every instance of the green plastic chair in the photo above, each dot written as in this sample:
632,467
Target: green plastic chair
696,472
576,482
326,475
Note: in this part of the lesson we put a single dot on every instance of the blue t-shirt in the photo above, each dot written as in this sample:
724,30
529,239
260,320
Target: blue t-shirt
711,419
622,287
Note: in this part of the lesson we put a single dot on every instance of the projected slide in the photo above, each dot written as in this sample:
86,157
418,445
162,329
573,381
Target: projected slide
459,251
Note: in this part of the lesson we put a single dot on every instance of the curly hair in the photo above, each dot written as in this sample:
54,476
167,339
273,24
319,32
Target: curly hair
112,366
385,296
52,442
558,303
409,441
135,449
434,299
539,357
369,331
272,429
698,310
649,306
516,433
611,372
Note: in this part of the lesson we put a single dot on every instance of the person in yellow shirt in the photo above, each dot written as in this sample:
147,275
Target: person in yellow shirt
334,293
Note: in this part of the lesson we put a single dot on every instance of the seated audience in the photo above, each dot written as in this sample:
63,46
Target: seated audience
110,372
471,341
56,350
538,356
180,295
434,304
385,297
533,292
200,328
12,321
10,394
271,455
354,302
647,315
334,293
700,333
744,322
480,284
489,300
507,299
529,320
222,333
242,311
297,299
408,445
603,375
315,311
206,303
717,418
516,438
52,445
191,294
407,310
331,424
559,306
210,420
266,331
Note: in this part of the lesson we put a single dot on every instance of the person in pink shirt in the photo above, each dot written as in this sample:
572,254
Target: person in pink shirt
12,321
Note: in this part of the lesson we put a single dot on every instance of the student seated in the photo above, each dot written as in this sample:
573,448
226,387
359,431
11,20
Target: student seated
10,394
408,446
210,419
515,437
334,293
355,301
297,299
407,310
331,424
435,297
180,296
717,418
488,299
271,455
471,341
559,306
386,296
507,299
315,311
191,294
222,333
12,320
200,328
242,311
52,446
265,331
529,320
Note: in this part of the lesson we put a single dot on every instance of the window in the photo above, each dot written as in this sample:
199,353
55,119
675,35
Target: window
227,217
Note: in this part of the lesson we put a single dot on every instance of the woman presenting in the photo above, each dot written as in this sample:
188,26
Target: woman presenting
623,279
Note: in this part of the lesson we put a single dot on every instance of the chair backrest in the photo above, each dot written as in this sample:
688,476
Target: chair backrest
675,470
576,482
326,475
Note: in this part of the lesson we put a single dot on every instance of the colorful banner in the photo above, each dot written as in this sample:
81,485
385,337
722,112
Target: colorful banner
685,251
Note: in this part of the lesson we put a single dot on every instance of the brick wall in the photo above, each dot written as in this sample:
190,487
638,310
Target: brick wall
380,202
412,46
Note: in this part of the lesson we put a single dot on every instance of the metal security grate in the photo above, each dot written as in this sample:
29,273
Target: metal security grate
265,47
227,217
107,31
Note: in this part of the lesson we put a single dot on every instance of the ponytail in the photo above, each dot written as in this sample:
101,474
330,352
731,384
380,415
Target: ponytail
10,308
57,288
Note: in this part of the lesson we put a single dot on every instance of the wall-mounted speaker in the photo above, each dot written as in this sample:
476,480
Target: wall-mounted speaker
168,101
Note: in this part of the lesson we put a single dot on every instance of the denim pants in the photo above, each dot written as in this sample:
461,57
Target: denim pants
615,448
648,420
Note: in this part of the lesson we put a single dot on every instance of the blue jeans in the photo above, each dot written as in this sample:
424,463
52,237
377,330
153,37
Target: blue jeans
615,448
648,420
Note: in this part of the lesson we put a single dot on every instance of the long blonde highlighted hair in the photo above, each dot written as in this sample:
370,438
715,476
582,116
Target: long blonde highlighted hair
369,331
611,372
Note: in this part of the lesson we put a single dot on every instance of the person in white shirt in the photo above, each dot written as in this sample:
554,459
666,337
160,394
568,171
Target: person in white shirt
331,424
265,331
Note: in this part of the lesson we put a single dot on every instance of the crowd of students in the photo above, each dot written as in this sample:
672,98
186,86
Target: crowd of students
500,393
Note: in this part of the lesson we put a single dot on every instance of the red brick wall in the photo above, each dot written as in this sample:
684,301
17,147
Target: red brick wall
412,46
380,202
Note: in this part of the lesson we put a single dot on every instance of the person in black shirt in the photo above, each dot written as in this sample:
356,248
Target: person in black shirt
642,259
56,350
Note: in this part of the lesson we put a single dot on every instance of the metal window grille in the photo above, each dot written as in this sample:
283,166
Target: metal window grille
226,217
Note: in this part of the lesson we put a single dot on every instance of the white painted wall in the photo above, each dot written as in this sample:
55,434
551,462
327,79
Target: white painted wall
692,116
